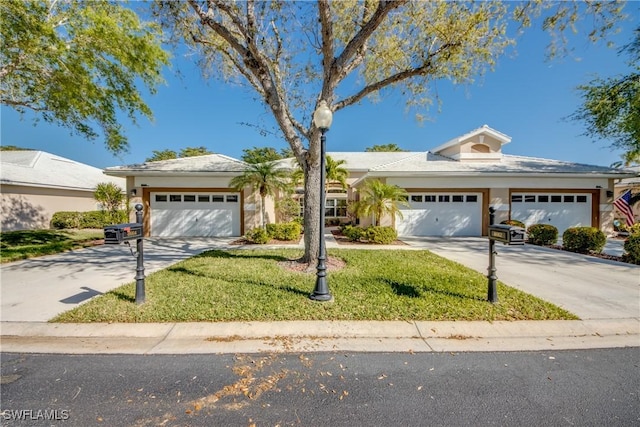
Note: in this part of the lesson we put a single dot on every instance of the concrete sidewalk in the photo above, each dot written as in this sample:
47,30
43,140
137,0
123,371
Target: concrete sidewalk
321,336
605,294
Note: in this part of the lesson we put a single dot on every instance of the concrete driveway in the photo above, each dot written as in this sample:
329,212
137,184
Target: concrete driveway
35,290
589,287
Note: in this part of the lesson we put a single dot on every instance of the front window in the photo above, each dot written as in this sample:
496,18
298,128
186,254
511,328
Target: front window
333,208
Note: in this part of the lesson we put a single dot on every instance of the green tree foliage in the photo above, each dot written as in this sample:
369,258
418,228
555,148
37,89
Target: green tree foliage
194,152
110,196
79,64
264,154
265,178
384,147
611,107
184,152
162,155
380,199
13,148
292,55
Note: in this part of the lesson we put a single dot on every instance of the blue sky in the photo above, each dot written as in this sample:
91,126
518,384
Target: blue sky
526,97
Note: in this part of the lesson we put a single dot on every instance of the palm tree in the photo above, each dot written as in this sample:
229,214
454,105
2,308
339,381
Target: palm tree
335,171
266,179
378,199
111,197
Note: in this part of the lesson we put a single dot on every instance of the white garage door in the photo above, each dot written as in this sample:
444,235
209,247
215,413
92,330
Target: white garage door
195,214
560,210
442,214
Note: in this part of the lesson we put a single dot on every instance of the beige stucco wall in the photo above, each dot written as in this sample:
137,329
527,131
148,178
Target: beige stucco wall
29,208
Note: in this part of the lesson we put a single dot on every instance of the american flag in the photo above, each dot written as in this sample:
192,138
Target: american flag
623,204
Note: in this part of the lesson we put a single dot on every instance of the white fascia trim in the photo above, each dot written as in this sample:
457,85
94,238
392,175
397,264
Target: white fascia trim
489,174
161,173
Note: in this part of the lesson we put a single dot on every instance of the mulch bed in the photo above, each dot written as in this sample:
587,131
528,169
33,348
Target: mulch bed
332,264
343,240
243,241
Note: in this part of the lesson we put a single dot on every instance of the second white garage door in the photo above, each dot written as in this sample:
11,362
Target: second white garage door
195,214
442,214
560,210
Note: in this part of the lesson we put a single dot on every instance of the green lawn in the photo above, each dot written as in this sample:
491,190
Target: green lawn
251,285
16,245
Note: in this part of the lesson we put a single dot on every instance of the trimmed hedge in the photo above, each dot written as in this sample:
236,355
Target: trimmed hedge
372,234
257,235
380,235
632,249
284,231
583,240
91,219
514,222
542,234
353,233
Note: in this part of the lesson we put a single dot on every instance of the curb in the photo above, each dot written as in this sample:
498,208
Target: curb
317,336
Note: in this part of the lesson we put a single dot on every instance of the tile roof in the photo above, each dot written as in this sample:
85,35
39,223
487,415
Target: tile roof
428,163
211,163
42,169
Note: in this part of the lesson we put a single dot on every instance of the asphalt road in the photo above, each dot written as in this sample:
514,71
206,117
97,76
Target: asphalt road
585,387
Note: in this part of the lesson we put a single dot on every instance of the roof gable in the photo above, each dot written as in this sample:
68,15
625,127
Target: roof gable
481,144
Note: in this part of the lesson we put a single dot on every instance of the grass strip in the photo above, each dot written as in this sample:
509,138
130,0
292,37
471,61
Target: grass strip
17,245
252,285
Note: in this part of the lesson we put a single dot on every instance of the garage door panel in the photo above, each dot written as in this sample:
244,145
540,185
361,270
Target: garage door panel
439,215
202,216
568,210
217,222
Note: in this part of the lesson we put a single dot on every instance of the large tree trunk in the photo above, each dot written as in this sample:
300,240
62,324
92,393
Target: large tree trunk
312,213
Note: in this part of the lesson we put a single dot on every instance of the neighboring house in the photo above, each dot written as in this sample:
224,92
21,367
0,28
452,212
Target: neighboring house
632,184
451,188
36,184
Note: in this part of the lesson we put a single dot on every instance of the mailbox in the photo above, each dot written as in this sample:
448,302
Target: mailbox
507,234
114,234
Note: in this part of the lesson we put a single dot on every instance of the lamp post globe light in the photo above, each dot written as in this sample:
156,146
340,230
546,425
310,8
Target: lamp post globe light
322,118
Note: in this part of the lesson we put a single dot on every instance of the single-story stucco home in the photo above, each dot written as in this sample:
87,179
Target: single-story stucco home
37,184
451,188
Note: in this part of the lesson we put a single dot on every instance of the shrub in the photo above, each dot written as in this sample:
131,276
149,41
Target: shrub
583,239
95,219
542,234
355,234
514,222
90,219
257,235
62,220
380,235
634,229
632,249
284,231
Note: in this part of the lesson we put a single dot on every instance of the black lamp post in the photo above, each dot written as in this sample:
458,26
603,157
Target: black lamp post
492,292
140,294
322,120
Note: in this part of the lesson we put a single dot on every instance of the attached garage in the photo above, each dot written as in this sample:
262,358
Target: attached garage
560,209
195,214
442,214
